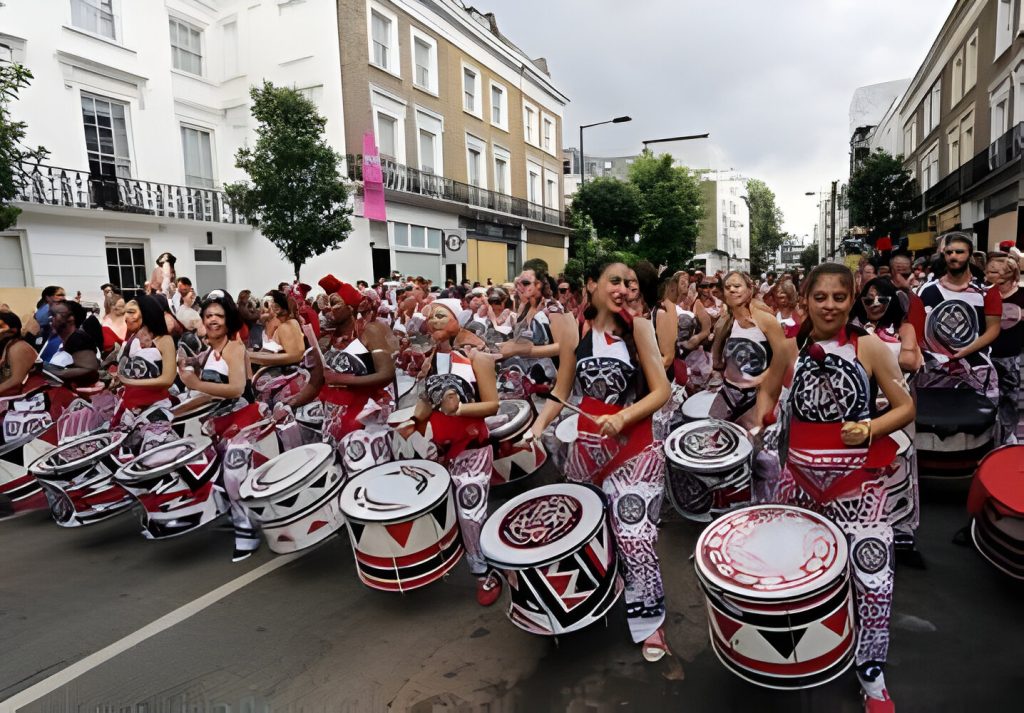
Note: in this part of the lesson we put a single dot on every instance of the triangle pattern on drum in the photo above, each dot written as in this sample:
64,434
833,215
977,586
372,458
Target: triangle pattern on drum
838,622
440,514
785,642
726,626
357,530
399,531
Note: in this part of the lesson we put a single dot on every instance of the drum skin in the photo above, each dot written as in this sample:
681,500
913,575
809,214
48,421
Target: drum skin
779,595
709,468
402,524
554,547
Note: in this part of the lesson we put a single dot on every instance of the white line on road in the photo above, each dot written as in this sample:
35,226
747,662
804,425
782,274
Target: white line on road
82,666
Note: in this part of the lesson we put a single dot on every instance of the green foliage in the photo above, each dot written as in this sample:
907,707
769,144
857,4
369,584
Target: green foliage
766,218
671,209
882,195
613,207
295,195
809,257
587,251
13,78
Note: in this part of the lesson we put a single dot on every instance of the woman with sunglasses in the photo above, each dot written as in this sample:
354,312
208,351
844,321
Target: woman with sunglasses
840,456
616,375
283,343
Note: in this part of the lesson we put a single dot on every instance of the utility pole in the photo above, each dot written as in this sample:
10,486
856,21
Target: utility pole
832,240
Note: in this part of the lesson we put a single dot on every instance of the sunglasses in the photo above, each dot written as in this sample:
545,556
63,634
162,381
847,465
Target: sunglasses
880,300
563,290
526,283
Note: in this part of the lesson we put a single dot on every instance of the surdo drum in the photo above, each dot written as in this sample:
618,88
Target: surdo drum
175,485
78,481
514,461
554,547
779,595
310,418
192,413
709,468
698,406
295,497
998,525
402,525
955,429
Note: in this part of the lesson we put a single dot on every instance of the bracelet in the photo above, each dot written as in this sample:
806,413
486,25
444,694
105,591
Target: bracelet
867,422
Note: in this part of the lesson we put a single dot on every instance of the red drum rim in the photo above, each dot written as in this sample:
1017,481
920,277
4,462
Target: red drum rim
43,467
378,496
284,472
137,469
992,466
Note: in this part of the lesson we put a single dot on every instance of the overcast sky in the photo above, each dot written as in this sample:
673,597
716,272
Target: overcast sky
770,79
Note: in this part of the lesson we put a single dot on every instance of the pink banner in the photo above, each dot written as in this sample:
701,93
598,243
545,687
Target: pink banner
373,181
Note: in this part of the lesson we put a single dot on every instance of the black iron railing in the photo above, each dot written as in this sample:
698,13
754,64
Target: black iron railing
71,188
398,177
1005,150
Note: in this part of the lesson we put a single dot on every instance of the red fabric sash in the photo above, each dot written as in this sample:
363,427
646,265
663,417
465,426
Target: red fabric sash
630,443
862,464
141,396
229,424
457,433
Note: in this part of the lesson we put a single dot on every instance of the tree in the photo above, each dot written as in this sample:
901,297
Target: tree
672,207
766,218
613,207
882,195
586,250
296,197
809,257
13,156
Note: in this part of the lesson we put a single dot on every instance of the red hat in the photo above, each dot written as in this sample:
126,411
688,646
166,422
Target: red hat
884,243
330,283
349,294
1007,244
303,288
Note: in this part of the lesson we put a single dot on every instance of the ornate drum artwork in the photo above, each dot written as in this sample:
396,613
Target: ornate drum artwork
950,326
555,548
779,595
78,480
276,383
997,504
899,488
175,485
28,434
698,406
311,421
402,525
295,497
192,413
955,429
514,461
709,468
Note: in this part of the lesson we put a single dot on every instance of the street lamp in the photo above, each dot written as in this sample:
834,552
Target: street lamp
583,163
689,137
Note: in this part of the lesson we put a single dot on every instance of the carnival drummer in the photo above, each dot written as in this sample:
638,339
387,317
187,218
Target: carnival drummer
283,343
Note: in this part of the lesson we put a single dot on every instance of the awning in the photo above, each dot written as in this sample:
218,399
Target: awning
921,241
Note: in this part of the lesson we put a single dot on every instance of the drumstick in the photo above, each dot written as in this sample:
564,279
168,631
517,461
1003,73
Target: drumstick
550,396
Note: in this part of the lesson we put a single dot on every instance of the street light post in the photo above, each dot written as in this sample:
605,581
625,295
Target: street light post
689,137
583,163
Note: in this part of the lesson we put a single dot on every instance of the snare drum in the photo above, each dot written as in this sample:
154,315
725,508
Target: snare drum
997,503
192,413
278,382
175,484
709,468
514,461
554,547
402,525
955,429
295,497
78,480
698,406
899,486
779,596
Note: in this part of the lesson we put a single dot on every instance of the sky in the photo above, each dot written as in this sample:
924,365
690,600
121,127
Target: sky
771,80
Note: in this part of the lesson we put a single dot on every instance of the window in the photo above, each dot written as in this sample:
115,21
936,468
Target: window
186,47
195,145
383,34
499,106
550,189
1004,26
999,103
512,261
933,107
428,149
953,148
416,236
471,91
533,183
930,168
548,134
476,174
401,235
957,80
910,137
389,125
424,60
96,16
502,179
971,62
230,47
434,239
106,137
967,136
386,131
530,129
429,129
126,267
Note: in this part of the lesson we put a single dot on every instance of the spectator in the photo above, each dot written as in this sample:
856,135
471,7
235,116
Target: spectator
113,325
183,288
39,324
164,278
76,354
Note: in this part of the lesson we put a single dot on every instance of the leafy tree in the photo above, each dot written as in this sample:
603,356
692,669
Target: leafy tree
809,257
766,218
672,207
882,195
13,78
613,207
296,197
586,250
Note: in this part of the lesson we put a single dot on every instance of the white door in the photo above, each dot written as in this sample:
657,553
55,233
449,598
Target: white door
12,271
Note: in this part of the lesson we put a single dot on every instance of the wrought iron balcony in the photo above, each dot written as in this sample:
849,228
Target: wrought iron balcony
398,177
71,188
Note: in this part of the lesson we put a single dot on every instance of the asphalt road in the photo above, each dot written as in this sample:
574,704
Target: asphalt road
308,636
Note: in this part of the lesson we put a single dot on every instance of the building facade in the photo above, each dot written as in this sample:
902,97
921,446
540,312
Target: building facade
724,239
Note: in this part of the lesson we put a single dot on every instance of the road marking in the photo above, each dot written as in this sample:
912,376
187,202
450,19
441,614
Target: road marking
82,666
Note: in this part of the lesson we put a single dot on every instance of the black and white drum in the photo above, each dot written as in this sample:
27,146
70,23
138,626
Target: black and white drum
176,486
698,406
402,525
955,429
192,413
405,386
78,480
709,468
899,486
310,418
554,547
779,595
295,497
514,460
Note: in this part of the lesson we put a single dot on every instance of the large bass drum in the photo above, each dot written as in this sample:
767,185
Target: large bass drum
709,468
955,429
779,595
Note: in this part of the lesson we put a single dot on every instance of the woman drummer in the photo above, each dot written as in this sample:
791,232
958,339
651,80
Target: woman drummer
460,391
616,374
221,372
283,343
833,422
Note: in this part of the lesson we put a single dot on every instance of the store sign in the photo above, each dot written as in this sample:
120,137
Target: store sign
454,240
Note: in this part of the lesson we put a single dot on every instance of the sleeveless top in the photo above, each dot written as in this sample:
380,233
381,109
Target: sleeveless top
269,345
835,389
354,359
688,326
451,372
138,362
748,354
604,370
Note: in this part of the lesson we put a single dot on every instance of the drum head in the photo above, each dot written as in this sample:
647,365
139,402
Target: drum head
567,429
285,471
395,492
405,383
542,525
698,406
771,552
708,446
312,414
76,454
517,413
165,458
950,326
1000,475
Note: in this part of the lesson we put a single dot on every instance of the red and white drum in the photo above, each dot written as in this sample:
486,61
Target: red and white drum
192,413
278,382
514,460
899,486
997,503
779,598
402,525
176,486
28,434
555,548
78,480
698,406
709,468
295,497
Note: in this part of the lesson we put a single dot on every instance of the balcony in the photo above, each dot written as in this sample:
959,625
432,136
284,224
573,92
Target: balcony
71,188
404,179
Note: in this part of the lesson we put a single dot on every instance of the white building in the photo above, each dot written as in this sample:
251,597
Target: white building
724,240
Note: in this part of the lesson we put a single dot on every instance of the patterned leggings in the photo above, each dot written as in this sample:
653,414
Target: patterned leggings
471,474
1008,370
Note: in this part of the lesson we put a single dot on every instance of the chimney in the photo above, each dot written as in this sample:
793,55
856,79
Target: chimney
542,64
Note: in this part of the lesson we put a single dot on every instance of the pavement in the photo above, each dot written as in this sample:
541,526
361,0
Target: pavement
98,619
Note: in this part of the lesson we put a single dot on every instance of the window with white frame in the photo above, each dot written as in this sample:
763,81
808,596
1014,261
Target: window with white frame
127,266
96,16
499,106
429,129
953,148
971,62
476,173
416,236
502,175
531,130
933,107
999,110
198,153
956,90
186,47
424,60
383,33
547,133
533,174
1004,25
387,131
229,46
389,125
910,137
106,137
930,167
550,189
471,100
967,136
